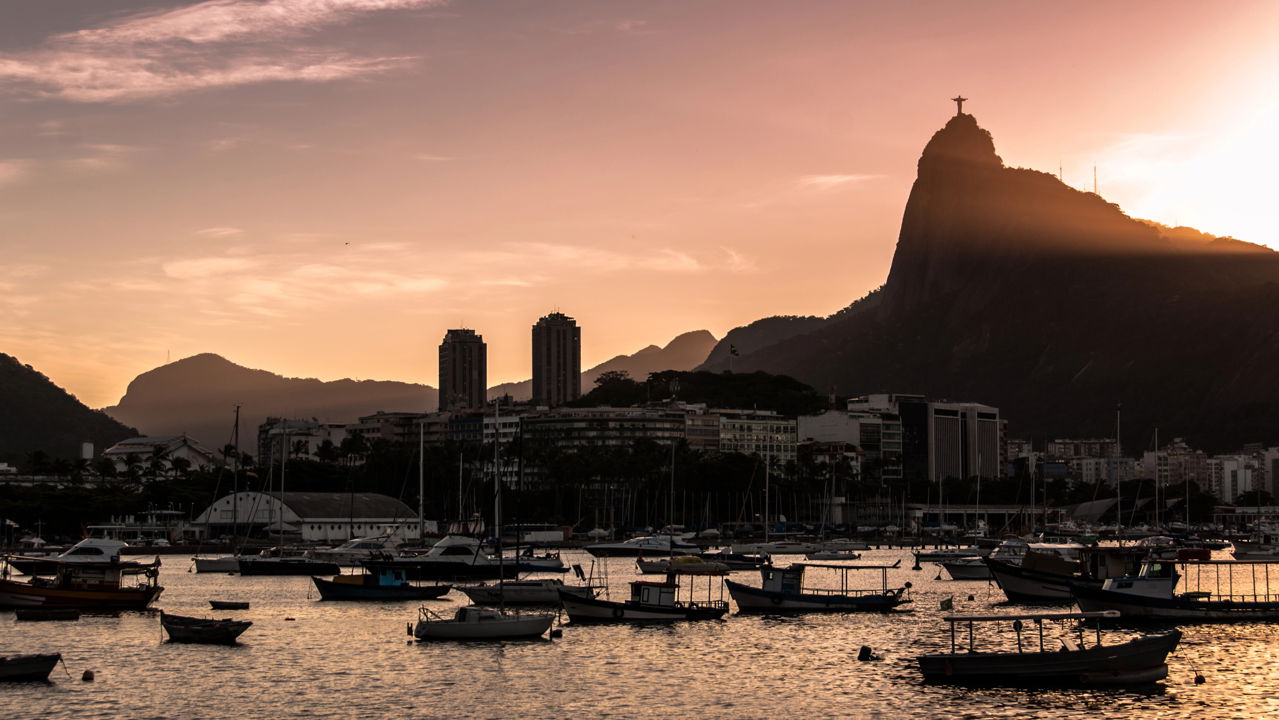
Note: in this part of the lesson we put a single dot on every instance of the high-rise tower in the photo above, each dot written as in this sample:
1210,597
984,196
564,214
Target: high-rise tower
463,371
557,360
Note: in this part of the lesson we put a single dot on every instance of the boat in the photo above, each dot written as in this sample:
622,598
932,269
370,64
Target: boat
736,561
461,557
285,561
650,601
184,629
227,564
778,547
524,592
1135,663
833,555
482,623
683,564
1149,596
382,584
1047,571
87,586
968,568
645,545
228,605
354,552
88,550
950,553
45,614
783,590
27,668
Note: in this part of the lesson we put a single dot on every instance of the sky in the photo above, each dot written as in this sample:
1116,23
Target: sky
321,188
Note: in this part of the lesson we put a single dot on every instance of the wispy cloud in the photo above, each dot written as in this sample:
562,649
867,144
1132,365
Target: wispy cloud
219,43
829,182
738,263
12,170
220,232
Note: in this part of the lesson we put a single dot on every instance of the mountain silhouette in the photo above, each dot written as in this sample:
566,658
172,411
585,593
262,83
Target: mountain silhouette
40,416
684,352
198,395
1011,288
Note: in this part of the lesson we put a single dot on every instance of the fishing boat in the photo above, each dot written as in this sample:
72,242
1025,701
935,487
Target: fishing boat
646,545
184,629
1135,663
783,590
87,586
1047,572
27,668
650,601
285,561
228,605
524,592
1219,597
482,623
380,584
45,614
88,550
683,564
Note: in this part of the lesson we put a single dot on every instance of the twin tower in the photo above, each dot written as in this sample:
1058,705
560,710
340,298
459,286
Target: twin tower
557,365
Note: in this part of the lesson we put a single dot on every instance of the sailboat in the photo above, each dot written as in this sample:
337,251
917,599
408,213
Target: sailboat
473,622
229,563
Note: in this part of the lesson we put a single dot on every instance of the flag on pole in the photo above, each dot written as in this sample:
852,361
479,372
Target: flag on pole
732,350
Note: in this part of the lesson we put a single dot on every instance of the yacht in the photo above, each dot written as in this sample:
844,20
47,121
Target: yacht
88,550
646,545
354,552
459,556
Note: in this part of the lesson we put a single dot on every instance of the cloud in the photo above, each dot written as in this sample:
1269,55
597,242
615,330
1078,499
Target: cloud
737,262
207,267
582,258
12,170
219,43
829,182
220,232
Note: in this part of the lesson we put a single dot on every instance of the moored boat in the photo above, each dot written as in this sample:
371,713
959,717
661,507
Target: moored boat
481,623
27,668
682,564
783,590
46,614
647,545
1145,598
285,561
87,586
184,629
650,601
88,550
228,564
524,592
228,605
833,555
1135,663
379,584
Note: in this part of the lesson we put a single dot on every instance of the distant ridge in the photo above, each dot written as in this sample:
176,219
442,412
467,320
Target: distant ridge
1012,288
684,352
37,415
197,395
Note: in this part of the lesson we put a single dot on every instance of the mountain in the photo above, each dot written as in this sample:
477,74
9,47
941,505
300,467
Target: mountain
40,416
684,352
198,395
1011,288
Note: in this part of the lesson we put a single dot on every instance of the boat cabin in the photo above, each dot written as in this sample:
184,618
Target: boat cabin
99,575
647,592
790,580
1018,624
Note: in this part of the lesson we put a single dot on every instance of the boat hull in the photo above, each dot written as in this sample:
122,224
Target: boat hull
198,630
15,594
330,590
1142,661
219,565
967,571
592,610
27,668
513,594
1174,609
520,627
1022,585
751,599
447,570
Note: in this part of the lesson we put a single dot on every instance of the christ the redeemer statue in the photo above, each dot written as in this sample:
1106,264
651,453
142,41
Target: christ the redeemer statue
959,102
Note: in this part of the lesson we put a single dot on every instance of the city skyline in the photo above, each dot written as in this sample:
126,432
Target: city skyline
256,179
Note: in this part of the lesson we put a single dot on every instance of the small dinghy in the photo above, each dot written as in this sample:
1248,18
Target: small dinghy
27,668
228,605
46,614
203,630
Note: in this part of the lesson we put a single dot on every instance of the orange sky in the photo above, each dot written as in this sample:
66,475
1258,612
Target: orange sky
323,187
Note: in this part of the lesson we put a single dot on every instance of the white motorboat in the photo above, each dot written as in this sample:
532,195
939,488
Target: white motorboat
482,623
88,550
833,555
682,564
525,592
459,556
646,545
950,553
779,547
354,552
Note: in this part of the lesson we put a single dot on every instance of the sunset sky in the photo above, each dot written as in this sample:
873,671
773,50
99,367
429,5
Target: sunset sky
321,188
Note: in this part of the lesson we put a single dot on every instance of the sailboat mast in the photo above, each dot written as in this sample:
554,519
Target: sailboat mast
235,475
421,480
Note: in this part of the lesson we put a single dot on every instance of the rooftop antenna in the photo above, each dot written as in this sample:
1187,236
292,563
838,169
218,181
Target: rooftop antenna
1094,180
1059,175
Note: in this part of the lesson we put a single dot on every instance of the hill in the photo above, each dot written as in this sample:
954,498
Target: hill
197,395
1011,288
40,416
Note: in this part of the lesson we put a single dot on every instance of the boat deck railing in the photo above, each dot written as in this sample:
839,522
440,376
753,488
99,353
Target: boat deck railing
842,592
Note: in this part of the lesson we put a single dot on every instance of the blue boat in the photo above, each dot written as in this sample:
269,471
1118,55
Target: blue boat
379,584
784,591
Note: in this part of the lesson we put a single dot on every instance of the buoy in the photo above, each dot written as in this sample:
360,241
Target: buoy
866,654
557,633
971,598
88,676
1199,678
288,619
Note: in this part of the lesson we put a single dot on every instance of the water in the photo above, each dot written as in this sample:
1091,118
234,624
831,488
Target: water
352,660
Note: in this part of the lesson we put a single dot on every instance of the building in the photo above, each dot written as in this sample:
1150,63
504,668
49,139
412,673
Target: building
557,360
463,371
1067,449
758,432
308,516
1230,476
140,452
1176,463
965,440
570,428
876,432
304,437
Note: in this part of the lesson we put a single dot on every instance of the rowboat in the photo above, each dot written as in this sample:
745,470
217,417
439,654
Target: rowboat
202,630
27,668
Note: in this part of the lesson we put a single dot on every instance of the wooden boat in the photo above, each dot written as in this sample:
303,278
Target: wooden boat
378,584
202,630
45,614
228,605
783,590
27,668
1144,598
87,586
479,623
1135,663
650,601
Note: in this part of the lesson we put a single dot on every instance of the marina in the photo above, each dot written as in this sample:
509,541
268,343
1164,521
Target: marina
604,670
